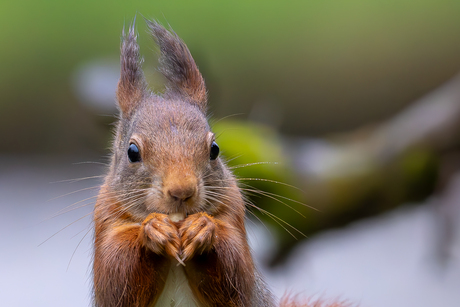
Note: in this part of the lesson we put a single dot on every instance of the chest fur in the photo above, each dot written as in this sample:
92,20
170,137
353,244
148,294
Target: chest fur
177,292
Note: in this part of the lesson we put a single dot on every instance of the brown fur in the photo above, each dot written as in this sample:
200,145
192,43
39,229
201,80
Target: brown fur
178,67
132,85
135,240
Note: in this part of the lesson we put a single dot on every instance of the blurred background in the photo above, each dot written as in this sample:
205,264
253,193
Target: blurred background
352,106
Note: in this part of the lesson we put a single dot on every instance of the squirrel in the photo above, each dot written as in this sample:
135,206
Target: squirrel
169,220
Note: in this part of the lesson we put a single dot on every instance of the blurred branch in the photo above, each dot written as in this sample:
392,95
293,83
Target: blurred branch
352,175
432,123
365,172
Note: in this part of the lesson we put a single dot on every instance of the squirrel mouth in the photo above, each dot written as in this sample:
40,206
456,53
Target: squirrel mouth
177,216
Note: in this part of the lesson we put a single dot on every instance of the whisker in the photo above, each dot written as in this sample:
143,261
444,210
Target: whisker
75,250
77,179
213,122
230,159
283,197
278,220
215,199
271,181
273,196
267,194
251,164
255,215
221,195
260,221
131,202
249,203
67,211
210,203
91,162
271,215
71,207
86,215
260,179
80,232
77,191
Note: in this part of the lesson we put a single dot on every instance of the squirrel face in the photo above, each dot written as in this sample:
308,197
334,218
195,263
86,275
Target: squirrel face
173,164
165,155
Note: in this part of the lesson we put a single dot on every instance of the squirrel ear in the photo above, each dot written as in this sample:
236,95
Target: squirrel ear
178,67
132,86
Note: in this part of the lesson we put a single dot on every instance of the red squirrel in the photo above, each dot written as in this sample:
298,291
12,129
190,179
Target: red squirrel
170,218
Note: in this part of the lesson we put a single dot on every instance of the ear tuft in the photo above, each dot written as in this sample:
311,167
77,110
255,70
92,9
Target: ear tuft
132,86
178,67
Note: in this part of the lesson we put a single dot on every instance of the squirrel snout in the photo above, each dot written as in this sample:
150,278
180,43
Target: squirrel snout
180,187
181,192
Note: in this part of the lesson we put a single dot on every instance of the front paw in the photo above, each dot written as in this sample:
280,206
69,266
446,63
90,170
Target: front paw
198,234
160,235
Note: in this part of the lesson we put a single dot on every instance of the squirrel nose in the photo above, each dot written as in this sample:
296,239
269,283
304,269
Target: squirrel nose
182,191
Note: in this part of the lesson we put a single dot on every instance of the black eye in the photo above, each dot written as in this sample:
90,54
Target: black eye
133,153
214,151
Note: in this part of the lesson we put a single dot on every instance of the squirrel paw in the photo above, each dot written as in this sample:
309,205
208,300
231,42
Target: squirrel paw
198,233
160,235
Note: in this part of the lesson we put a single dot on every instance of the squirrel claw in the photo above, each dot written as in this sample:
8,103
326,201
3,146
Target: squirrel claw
180,261
197,234
160,235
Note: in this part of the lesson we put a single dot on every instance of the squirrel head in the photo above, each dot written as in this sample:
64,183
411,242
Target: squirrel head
165,157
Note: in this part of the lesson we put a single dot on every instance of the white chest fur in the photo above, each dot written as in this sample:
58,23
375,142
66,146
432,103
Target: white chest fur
177,292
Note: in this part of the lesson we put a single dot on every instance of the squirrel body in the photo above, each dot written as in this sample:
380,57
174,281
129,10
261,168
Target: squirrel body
169,219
